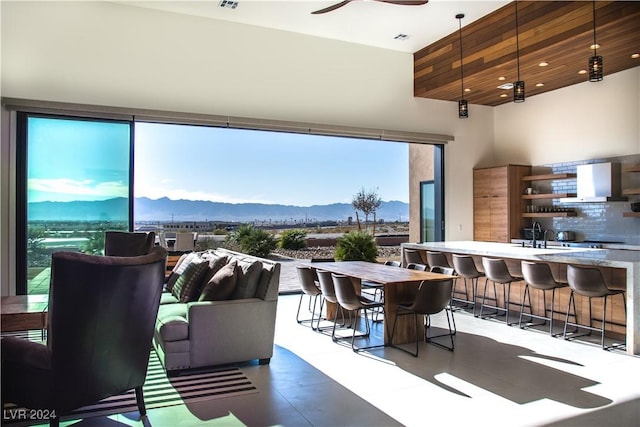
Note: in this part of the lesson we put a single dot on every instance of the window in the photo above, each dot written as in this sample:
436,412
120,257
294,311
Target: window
75,185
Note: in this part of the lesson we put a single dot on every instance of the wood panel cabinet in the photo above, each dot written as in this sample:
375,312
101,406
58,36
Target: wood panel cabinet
497,202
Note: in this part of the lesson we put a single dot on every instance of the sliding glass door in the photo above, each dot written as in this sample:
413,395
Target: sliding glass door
74,185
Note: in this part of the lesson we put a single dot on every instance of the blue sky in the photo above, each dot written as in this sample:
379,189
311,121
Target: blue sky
239,166
88,160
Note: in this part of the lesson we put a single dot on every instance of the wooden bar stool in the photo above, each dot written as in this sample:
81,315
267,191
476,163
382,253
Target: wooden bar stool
588,282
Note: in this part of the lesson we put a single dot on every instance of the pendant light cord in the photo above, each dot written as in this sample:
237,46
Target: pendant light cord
461,63
517,42
595,44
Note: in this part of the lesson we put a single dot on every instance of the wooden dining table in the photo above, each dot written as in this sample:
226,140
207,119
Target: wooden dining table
400,287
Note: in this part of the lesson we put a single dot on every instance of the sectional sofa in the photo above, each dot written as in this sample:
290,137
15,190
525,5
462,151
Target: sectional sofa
219,307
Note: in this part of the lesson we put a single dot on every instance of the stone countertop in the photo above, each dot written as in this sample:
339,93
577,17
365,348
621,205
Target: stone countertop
585,256
628,259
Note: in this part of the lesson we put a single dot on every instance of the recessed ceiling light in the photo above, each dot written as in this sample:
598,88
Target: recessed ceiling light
582,72
402,37
543,64
506,86
504,95
594,46
635,55
501,78
539,84
230,4
467,90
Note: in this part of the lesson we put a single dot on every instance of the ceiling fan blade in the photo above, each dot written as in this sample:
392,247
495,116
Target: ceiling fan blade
330,8
405,3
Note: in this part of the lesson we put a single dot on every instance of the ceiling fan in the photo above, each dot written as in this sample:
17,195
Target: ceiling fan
345,2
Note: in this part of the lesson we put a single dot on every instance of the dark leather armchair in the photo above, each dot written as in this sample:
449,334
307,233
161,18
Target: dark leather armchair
122,243
102,312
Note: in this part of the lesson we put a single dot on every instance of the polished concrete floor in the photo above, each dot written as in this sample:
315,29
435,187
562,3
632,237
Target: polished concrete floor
497,375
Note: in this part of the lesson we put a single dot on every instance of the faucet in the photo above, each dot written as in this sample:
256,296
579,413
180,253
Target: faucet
535,225
544,237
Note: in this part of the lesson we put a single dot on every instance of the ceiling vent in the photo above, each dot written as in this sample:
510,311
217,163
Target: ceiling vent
229,4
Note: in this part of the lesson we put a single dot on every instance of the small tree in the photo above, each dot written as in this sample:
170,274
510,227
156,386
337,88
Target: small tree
368,203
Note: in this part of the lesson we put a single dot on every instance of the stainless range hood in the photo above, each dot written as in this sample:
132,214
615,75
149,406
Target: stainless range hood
597,182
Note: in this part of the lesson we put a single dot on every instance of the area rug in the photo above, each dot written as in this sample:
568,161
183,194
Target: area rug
162,391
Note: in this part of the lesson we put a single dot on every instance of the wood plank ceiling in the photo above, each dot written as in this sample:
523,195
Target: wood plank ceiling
557,32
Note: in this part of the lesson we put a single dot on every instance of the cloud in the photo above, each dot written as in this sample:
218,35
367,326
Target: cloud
64,189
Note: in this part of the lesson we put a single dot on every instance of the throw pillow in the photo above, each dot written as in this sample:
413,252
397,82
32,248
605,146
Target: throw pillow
189,284
221,285
248,277
179,268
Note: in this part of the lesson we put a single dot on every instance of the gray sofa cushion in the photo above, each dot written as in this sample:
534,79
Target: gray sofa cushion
178,269
172,322
248,277
222,284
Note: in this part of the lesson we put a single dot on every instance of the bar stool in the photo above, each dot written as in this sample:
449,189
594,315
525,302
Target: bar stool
466,268
588,282
538,275
496,270
412,256
437,259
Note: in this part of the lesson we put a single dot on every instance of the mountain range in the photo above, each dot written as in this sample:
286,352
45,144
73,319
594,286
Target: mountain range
165,209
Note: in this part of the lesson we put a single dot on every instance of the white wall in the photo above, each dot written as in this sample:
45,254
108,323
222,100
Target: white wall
579,122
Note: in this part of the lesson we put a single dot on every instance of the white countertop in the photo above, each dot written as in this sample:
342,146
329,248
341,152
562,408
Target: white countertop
585,256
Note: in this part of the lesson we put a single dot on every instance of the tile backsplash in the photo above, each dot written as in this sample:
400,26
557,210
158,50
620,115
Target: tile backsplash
601,221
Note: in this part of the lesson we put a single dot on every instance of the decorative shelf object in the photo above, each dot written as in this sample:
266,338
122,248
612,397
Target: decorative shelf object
549,176
550,214
631,214
630,168
547,196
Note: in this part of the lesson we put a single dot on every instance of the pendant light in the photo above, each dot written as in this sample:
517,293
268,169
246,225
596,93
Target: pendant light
463,105
518,86
595,62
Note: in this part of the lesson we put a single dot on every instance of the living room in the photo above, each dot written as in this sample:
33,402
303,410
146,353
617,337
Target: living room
115,55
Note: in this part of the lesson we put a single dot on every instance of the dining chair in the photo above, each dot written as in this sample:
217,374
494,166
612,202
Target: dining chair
416,266
433,297
127,244
185,242
538,275
308,285
350,301
376,290
589,282
329,295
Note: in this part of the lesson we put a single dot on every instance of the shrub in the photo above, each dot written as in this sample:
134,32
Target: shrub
293,239
356,246
252,241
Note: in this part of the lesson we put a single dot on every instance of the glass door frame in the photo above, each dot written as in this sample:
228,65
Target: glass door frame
438,196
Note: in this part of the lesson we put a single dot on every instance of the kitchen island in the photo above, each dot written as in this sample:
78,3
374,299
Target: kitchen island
624,267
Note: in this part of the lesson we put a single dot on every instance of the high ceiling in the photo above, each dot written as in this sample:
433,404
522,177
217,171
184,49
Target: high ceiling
556,33
553,31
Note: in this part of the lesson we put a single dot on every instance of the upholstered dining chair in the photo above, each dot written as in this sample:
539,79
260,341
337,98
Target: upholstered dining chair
185,242
102,313
349,300
433,297
309,288
376,290
329,294
416,266
123,243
